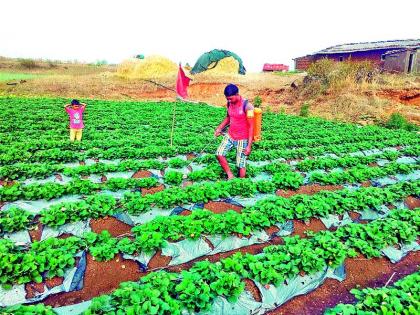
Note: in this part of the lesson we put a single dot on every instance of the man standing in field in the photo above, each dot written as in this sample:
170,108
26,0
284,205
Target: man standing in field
75,111
240,118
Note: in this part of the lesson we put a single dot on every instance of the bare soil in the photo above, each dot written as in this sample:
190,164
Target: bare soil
271,230
354,215
159,261
366,183
185,212
307,190
33,289
360,271
187,183
53,282
142,174
153,190
396,93
221,207
191,156
408,97
110,224
253,289
314,225
412,202
36,232
100,278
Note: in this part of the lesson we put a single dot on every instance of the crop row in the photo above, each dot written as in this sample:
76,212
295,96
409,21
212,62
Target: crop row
144,137
401,298
183,137
195,289
154,235
22,171
262,155
361,173
57,155
97,206
283,178
349,161
75,187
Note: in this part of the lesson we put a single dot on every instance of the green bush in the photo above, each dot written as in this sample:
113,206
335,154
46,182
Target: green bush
322,69
304,110
398,121
257,101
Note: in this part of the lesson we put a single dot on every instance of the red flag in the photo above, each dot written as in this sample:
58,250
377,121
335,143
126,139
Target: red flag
182,82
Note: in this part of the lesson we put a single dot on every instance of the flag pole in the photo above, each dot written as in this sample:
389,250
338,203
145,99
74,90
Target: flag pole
174,111
173,124
182,82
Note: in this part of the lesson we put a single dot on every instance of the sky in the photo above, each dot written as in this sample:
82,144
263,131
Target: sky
263,31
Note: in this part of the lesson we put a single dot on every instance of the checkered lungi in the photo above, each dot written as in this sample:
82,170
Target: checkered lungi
228,143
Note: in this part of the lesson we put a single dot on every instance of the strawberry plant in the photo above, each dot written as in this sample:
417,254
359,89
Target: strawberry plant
173,178
15,219
38,309
177,163
401,298
102,246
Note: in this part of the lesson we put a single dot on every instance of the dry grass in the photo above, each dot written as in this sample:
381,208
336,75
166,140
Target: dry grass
49,67
153,67
395,81
103,86
352,108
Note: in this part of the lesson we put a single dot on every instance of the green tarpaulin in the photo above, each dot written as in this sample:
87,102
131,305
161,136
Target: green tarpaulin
215,55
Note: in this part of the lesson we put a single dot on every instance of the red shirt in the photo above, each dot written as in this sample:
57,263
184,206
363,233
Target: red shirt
238,129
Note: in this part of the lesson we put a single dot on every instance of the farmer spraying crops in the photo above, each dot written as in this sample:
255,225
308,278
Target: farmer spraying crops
75,111
240,118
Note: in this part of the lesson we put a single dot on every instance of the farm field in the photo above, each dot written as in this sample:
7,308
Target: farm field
138,218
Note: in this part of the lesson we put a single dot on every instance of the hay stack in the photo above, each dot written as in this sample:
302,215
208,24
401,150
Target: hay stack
227,65
148,68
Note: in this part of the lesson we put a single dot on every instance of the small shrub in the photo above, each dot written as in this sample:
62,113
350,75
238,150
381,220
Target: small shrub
322,69
304,110
257,101
398,121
